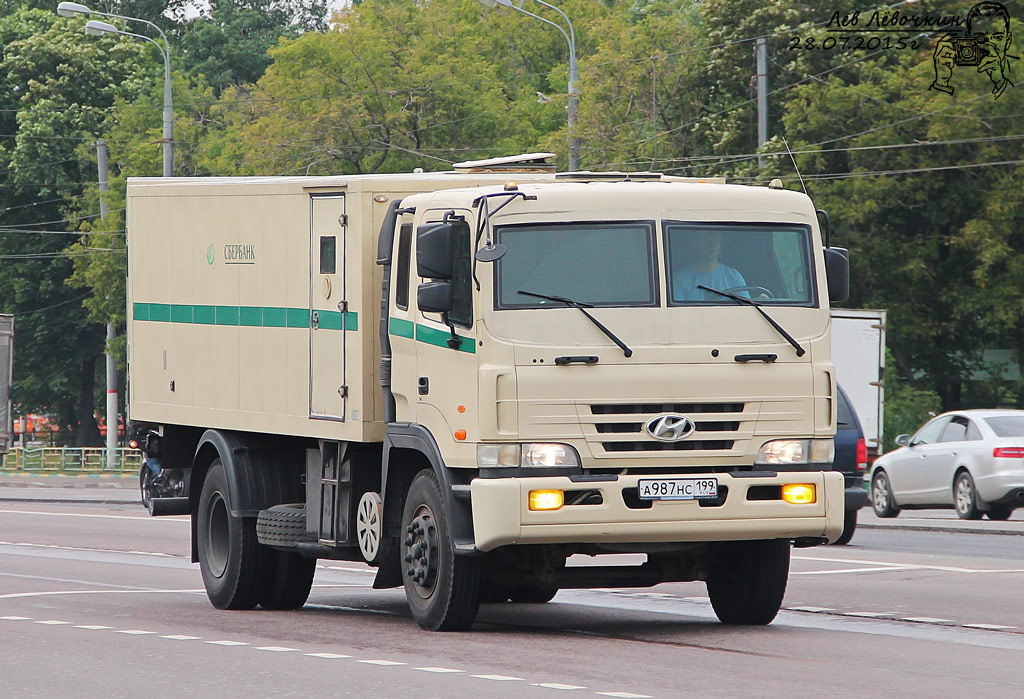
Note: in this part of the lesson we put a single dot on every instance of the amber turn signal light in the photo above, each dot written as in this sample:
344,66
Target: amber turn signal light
546,499
799,493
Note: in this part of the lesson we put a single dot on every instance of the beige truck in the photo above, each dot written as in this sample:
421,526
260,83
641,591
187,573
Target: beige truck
467,379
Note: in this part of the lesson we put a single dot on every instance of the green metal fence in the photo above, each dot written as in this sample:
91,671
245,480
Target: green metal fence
70,460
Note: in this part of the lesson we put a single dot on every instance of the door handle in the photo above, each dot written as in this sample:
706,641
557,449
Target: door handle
315,320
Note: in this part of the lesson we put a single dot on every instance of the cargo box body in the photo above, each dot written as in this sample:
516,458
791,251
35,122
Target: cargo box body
254,303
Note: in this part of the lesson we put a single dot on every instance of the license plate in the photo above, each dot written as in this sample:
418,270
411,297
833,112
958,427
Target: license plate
678,488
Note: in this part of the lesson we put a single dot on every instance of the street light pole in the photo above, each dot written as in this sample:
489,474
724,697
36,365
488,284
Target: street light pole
574,95
96,28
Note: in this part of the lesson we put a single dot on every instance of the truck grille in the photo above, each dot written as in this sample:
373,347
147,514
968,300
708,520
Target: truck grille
619,428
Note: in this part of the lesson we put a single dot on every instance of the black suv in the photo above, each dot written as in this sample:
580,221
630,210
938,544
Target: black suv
852,459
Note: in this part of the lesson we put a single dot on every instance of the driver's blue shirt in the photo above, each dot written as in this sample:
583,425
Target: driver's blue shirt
685,281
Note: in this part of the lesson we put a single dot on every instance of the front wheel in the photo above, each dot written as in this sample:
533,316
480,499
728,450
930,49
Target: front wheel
748,580
965,497
233,563
443,590
881,496
146,485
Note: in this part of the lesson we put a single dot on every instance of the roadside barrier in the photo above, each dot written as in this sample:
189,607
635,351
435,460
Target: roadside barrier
70,461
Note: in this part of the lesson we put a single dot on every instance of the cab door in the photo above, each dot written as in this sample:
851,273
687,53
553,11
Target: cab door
328,390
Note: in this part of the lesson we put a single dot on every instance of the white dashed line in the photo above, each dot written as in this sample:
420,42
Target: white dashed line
384,663
277,649
624,695
437,669
16,618
928,620
183,638
54,623
136,632
94,627
555,685
330,656
499,678
811,609
989,627
227,643
872,615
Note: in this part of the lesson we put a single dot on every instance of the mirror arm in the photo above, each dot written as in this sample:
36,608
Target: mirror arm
453,342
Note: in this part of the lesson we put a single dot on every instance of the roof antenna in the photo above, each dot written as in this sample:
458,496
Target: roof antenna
788,150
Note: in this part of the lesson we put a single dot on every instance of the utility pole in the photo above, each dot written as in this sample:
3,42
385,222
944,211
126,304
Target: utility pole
761,49
101,162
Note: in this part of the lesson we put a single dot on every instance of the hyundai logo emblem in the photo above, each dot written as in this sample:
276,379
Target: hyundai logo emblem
670,427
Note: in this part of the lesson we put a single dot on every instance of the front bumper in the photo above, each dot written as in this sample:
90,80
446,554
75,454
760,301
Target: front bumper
501,513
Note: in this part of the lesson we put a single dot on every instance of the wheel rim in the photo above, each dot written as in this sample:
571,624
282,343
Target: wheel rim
218,543
964,495
421,552
144,483
368,525
881,493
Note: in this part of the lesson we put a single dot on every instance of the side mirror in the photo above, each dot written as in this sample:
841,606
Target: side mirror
434,297
435,248
903,440
837,273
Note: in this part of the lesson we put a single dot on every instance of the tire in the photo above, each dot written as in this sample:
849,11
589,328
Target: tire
442,589
289,582
748,580
282,526
290,576
146,484
965,497
849,527
999,513
881,496
233,564
533,594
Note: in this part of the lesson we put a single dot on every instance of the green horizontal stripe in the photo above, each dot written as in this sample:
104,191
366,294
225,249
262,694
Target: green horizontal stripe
427,335
248,316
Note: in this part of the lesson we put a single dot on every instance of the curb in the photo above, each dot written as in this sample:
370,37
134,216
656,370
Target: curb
942,529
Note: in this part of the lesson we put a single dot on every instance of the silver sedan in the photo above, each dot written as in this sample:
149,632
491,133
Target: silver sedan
970,460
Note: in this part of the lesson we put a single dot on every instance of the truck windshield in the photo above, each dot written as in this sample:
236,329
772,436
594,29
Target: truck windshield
766,263
594,264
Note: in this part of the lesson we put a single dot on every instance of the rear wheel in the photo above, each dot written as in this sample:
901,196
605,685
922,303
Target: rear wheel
290,575
999,512
849,527
443,590
233,563
748,580
965,497
881,496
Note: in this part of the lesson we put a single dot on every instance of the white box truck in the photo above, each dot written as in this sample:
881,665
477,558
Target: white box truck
858,351
6,375
465,378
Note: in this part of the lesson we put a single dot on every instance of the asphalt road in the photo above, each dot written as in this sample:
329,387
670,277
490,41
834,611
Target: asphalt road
97,599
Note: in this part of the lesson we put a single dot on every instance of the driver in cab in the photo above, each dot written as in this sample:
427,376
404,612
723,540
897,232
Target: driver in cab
699,266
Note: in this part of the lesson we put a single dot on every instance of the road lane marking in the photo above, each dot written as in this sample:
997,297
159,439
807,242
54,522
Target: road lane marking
840,571
16,618
811,609
872,615
54,623
437,669
928,620
384,663
624,695
330,656
94,627
175,637
499,678
277,649
989,627
15,595
907,566
228,643
555,685
136,632
141,517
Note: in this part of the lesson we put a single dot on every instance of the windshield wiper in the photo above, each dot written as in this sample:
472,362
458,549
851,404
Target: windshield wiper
583,309
800,351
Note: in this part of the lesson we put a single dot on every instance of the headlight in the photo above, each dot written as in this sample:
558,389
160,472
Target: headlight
785,452
538,454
